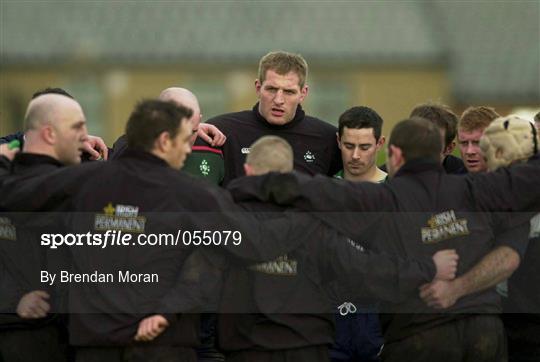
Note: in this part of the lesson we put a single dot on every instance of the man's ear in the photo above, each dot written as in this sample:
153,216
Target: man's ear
381,142
258,86
248,170
304,92
395,153
450,148
162,142
48,134
338,140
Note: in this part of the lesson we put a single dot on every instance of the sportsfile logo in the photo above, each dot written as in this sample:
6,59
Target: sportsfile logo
121,217
444,226
7,230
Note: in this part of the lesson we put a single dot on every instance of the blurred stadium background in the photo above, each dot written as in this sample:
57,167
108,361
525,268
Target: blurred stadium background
388,55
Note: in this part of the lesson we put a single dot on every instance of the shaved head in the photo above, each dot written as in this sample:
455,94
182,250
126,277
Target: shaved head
269,154
47,108
55,126
184,97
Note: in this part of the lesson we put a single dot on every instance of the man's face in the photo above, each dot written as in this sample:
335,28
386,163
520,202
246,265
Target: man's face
279,96
71,133
537,124
469,146
358,150
180,146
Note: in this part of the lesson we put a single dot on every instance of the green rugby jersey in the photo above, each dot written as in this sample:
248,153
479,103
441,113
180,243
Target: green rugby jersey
205,162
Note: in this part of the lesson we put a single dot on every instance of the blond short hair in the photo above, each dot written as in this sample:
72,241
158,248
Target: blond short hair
270,154
508,139
282,63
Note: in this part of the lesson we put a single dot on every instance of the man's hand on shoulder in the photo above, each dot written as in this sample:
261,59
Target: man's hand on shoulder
8,152
211,134
97,148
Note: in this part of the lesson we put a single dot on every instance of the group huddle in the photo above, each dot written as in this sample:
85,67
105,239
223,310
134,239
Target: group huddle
282,238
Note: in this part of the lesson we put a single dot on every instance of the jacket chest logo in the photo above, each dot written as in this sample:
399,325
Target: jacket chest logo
444,226
309,157
204,168
120,217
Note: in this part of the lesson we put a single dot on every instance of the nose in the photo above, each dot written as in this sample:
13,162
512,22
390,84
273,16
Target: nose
84,136
279,98
470,149
356,153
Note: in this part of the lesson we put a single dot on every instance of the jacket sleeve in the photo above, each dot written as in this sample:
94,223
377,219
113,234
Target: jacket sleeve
264,236
5,167
346,206
513,188
14,136
380,276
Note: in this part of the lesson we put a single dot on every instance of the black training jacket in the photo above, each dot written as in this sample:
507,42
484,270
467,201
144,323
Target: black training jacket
284,303
21,257
313,141
426,210
140,194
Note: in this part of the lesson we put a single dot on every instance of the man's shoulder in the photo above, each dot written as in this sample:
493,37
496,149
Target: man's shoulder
318,123
454,165
224,120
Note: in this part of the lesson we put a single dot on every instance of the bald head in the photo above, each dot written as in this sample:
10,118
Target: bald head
55,126
184,97
269,154
47,108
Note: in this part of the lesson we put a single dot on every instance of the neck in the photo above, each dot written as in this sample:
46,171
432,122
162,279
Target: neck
33,146
374,174
164,156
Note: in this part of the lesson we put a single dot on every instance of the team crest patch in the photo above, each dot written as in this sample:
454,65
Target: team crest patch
204,168
245,150
7,229
309,157
120,217
444,226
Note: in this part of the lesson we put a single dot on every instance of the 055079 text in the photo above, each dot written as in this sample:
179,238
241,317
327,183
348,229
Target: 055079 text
121,238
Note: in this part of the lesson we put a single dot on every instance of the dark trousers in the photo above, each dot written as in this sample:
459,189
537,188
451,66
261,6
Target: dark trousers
475,338
311,354
151,353
43,344
523,331
207,351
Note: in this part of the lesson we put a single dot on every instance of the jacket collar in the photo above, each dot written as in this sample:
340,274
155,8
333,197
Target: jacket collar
32,159
298,117
419,165
141,155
